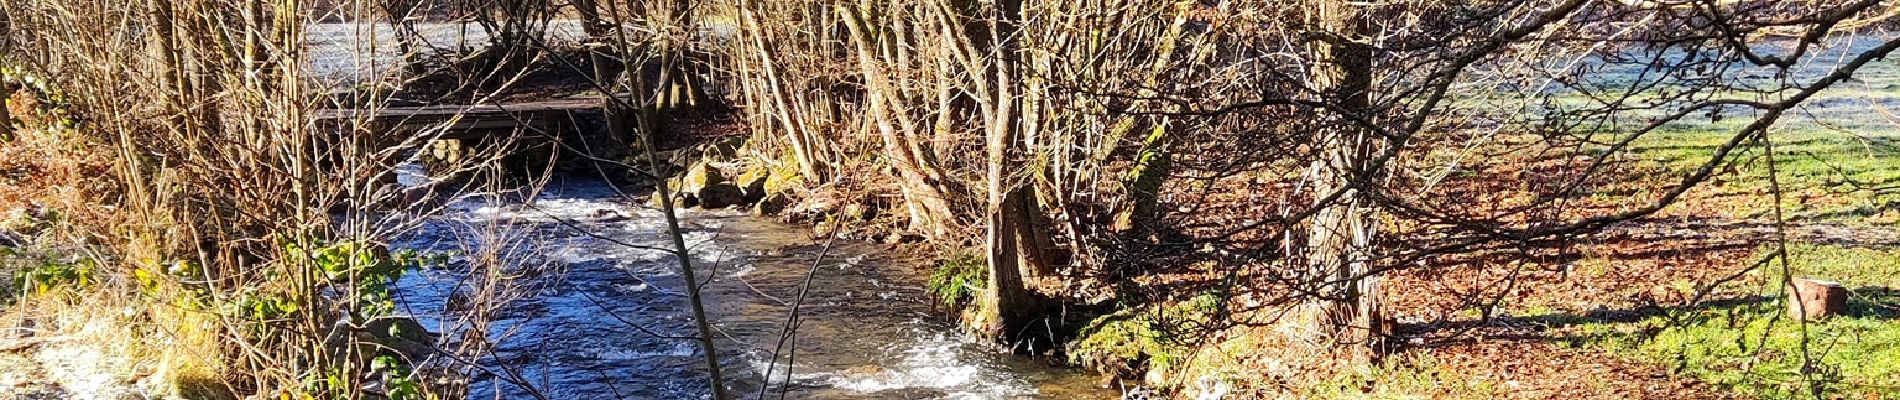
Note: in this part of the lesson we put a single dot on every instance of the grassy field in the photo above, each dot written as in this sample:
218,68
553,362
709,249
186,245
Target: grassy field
1750,345
1829,172
1837,161
1837,155
1619,322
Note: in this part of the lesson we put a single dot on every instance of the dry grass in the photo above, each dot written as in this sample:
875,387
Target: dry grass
187,232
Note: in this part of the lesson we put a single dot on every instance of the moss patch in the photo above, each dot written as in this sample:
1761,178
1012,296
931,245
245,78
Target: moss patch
1160,338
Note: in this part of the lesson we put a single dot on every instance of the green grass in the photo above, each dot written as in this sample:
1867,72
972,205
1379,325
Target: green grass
1754,349
1838,155
1827,174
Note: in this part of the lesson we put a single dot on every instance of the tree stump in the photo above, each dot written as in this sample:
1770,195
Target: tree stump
1814,299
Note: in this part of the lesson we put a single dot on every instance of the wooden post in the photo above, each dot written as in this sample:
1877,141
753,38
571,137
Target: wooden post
1813,299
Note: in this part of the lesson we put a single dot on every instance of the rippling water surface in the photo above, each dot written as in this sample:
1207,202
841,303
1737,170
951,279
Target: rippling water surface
599,316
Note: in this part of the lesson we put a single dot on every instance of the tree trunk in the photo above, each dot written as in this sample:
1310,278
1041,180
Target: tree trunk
6,114
927,203
1032,238
611,108
1009,304
778,96
1338,245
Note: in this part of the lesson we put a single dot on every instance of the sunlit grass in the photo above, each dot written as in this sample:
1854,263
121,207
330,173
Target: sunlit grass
1752,347
1826,174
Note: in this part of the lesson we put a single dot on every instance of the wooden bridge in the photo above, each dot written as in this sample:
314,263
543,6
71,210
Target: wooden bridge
538,129
467,117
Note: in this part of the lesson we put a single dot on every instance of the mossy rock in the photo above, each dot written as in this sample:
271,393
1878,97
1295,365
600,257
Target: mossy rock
782,177
752,182
701,175
680,200
1144,342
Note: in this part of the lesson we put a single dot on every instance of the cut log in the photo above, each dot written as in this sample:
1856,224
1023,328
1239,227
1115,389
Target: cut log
1814,299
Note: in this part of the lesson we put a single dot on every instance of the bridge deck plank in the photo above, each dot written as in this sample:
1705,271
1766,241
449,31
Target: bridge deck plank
465,110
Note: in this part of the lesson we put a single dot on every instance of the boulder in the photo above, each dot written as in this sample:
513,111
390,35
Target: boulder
609,215
701,186
720,196
782,178
699,177
753,184
680,200
1814,299
773,203
399,336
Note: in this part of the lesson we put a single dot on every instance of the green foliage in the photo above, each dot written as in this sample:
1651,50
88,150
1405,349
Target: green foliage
399,379
1754,348
256,306
1157,338
50,274
958,280
399,382
52,104
367,275
362,268
149,277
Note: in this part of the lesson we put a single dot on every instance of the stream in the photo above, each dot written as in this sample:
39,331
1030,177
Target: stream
599,312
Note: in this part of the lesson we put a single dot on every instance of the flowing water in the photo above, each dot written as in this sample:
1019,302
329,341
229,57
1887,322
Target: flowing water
598,309
601,309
